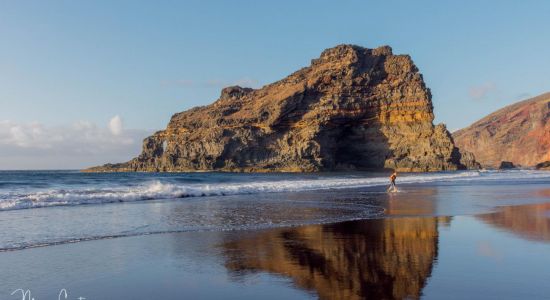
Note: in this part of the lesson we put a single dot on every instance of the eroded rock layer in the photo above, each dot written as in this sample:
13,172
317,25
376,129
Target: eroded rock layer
519,133
353,108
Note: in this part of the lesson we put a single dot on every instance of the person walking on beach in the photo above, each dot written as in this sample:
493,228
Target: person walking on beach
393,187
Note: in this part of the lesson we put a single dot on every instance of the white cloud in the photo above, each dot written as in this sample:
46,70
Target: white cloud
481,91
82,144
115,125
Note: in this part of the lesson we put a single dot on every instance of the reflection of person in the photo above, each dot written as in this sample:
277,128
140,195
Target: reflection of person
393,187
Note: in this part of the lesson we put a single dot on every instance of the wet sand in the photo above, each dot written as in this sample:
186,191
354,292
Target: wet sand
503,254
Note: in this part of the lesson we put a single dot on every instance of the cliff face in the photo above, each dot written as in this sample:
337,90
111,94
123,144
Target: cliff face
352,108
519,133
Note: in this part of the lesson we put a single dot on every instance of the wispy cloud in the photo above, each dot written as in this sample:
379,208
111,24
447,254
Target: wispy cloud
180,82
212,83
481,92
81,144
523,96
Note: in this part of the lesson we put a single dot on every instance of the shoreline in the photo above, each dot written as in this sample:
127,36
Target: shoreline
494,211
432,240
249,263
258,211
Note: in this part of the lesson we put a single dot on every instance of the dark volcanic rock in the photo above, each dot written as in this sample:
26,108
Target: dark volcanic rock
468,160
543,165
353,108
519,133
506,165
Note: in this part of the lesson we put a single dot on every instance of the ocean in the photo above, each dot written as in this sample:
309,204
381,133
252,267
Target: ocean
41,208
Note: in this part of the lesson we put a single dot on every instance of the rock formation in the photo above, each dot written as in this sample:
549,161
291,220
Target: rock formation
506,165
352,109
519,133
545,165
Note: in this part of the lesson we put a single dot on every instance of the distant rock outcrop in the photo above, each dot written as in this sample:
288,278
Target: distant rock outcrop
506,165
543,165
519,133
352,109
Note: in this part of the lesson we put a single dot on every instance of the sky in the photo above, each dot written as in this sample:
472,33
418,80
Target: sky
83,82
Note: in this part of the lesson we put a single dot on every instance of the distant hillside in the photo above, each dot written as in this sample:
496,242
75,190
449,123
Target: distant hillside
519,133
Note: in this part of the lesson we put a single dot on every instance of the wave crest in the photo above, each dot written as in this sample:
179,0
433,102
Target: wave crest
166,190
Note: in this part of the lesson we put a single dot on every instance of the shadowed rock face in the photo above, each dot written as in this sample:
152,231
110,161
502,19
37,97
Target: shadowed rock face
519,133
353,108
545,165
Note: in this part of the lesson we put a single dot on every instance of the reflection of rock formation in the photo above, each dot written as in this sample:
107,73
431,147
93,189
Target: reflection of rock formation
374,259
416,203
527,221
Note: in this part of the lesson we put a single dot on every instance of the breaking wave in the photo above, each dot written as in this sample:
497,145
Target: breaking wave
157,189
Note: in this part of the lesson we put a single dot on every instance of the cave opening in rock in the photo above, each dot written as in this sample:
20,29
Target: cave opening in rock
360,148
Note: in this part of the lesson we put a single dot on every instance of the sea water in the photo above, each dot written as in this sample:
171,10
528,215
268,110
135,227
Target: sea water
40,208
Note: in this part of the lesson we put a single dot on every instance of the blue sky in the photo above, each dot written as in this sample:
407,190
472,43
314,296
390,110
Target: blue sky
65,63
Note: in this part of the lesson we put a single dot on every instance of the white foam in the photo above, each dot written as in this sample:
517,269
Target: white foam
163,190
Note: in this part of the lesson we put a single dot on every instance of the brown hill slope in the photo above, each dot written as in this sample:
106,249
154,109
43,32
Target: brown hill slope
519,133
352,108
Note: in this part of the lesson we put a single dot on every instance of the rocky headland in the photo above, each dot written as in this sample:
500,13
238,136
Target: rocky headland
518,134
353,108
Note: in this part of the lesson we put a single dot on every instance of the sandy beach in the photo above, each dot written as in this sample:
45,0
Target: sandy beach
394,258
432,241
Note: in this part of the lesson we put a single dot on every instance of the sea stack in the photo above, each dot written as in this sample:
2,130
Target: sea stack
518,133
353,108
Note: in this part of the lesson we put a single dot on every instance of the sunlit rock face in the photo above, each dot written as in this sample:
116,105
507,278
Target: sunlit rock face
519,133
372,259
353,108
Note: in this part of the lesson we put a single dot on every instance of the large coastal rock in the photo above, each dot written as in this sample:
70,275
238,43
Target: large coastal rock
519,133
353,108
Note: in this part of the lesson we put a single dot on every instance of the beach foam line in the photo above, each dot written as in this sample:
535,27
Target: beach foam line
164,190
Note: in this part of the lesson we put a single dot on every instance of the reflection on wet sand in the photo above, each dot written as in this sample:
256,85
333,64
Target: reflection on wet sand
527,221
420,203
373,259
